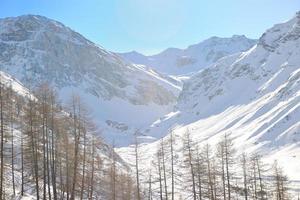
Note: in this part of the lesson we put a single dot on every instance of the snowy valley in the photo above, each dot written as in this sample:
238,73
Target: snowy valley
253,96
238,97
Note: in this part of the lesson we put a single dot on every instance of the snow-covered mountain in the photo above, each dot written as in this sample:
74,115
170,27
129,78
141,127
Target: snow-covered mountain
254,95
194,58
35,49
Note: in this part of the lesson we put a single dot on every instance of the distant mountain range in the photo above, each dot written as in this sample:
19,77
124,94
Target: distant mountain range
175,61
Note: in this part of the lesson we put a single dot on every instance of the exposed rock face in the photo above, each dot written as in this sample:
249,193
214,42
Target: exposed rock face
36,49
281,33
41,50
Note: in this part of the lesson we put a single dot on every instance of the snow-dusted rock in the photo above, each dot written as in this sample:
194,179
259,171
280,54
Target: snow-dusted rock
35,49
194,58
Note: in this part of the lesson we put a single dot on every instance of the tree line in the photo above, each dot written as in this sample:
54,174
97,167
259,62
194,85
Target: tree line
53,151
200,171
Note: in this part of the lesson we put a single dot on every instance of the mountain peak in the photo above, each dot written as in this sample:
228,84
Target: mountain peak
33,17
35,50
36,27
30,18
239,37
177,61
135,53
281,33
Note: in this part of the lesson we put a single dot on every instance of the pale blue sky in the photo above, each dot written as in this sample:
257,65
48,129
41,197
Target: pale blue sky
150,26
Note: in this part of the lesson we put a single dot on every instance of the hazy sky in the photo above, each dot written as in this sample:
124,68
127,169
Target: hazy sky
150,26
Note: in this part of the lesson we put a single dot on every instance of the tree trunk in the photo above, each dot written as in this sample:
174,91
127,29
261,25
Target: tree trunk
227,166
172,165
190,160
93,169
2,143
245,176
11,112
53,148
76,152
83,167
164,168
199,174
137,169
159,176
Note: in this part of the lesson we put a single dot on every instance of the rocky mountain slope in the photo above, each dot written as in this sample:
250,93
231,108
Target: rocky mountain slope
194,58
254,96
35,49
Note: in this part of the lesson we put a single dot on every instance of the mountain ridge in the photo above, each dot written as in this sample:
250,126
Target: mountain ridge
254,96
35,49
176,61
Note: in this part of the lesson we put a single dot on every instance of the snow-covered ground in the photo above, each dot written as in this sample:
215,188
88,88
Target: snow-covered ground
254,96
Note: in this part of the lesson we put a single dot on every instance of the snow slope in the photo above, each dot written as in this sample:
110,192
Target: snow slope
35,49
16,85
254,95
194,58
102,150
